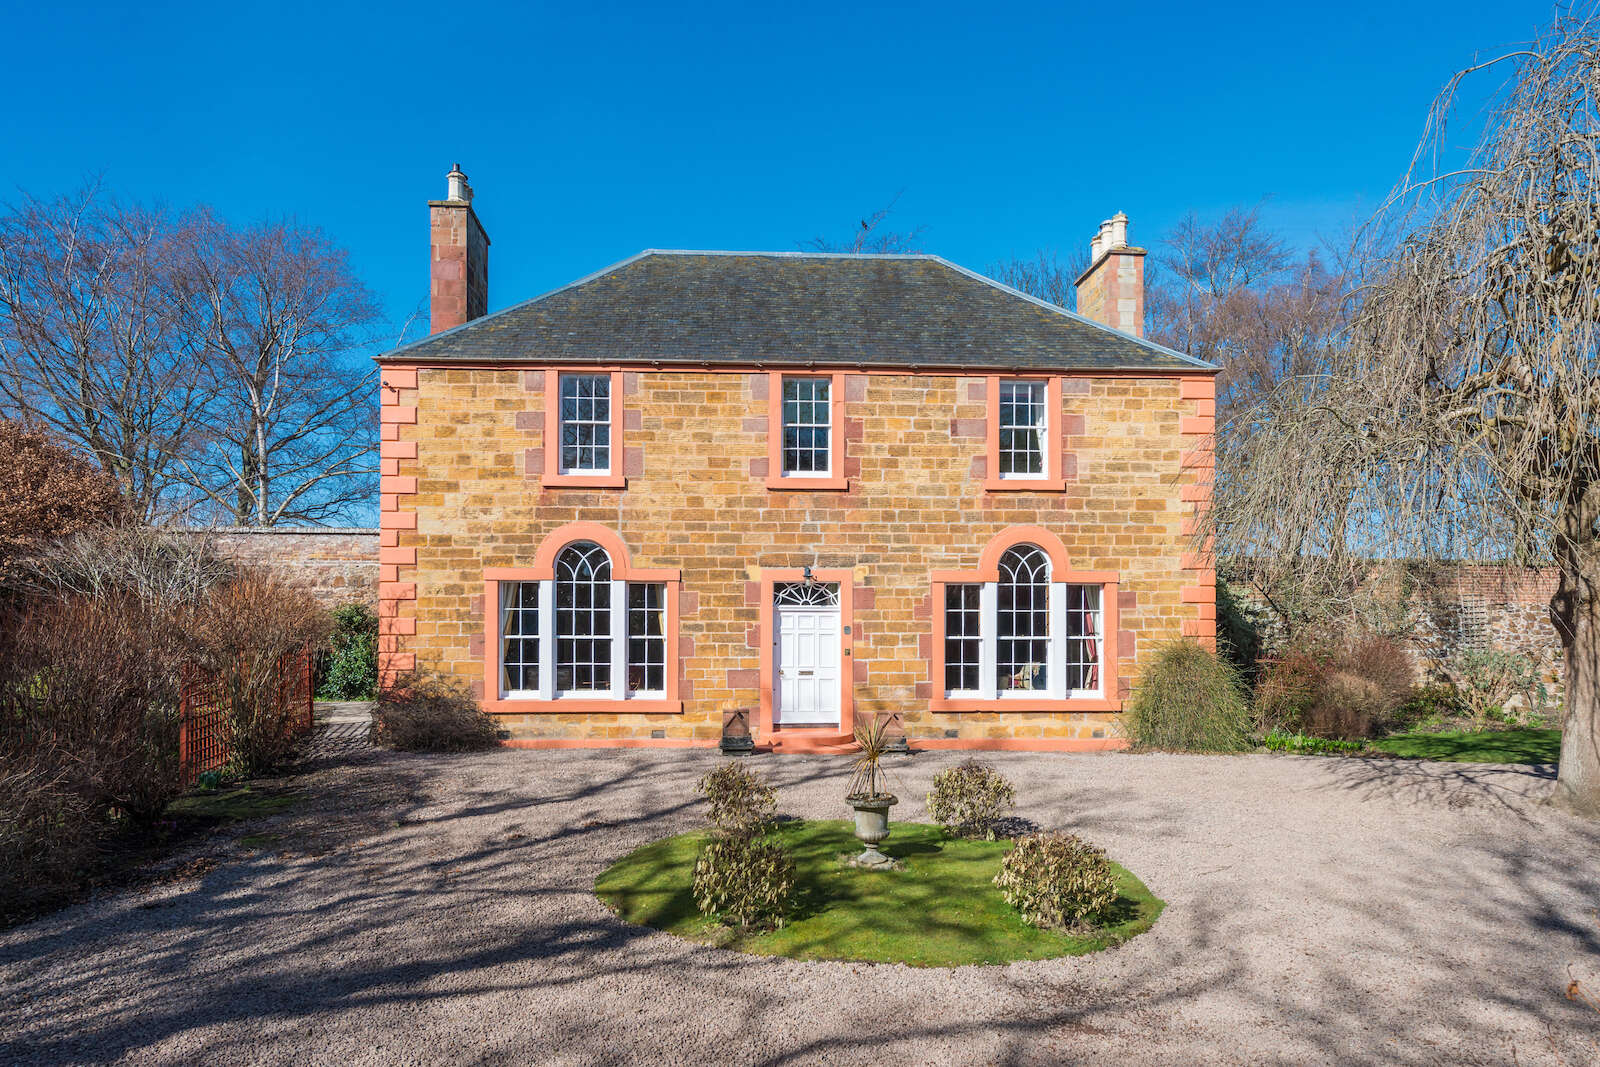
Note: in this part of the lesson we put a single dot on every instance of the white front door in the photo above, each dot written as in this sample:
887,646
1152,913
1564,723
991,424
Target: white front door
806,658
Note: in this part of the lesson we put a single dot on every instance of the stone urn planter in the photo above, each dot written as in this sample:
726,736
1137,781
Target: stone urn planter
869,797
872,827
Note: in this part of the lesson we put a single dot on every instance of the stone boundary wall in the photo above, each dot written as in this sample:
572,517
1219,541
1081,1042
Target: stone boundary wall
1480,607
335,564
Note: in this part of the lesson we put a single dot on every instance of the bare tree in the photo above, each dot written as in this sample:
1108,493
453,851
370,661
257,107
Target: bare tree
870,237
90,342
1230,291
292,433
1461,415
1046,276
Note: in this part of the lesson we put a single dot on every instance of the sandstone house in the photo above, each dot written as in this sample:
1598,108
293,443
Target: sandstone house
818,487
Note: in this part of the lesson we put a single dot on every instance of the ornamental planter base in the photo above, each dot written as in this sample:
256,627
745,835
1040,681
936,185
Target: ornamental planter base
872,827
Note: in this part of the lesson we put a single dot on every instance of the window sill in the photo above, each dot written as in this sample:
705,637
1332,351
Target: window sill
1024,485
809,484
585,481
1024,704
583,706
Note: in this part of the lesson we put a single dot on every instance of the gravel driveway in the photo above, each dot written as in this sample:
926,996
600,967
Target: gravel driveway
438,910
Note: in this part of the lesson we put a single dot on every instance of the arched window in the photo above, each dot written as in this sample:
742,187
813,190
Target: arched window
583,619
583,624
1023,627
1022,607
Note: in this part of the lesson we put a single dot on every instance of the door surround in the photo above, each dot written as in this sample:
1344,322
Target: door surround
769,577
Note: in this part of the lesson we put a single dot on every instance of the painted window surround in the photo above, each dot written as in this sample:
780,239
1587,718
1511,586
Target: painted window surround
1061,573
1053,481
836,412
552,475
770,577
543,570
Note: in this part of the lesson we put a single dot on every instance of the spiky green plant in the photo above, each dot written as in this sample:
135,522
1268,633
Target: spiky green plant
870,781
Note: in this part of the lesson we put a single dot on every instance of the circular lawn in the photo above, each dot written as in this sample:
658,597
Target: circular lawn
940,909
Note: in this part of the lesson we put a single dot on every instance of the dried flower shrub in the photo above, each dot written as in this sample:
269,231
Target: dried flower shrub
748,882
742,805
423,711
1058,880
969,800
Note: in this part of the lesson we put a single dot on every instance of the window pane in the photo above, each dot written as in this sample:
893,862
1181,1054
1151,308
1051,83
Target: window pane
1023,617
962,641
1084,637
519,636
806,426
647,641
1023,419
585,423
583,619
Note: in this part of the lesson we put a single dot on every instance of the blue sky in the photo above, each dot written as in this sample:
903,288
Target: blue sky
590,134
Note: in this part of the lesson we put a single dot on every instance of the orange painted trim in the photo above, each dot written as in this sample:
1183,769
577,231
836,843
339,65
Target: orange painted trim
775,478
1052,482
1060,572
605,742
846,579
584,706
543,570
552,476
1022,744
1196,388
1020,704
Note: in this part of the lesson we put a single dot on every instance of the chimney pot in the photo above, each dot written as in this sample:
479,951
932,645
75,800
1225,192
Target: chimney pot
1119,230
459,189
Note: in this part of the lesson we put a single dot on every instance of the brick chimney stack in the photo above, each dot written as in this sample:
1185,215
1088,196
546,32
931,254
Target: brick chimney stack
1111,291
458,258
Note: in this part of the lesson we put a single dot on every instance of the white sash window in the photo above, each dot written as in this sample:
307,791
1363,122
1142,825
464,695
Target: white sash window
1024,636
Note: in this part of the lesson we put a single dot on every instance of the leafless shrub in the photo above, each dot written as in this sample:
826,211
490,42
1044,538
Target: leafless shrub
421,711
160,569
241,634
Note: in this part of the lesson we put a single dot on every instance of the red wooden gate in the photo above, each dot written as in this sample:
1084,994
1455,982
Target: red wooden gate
202,711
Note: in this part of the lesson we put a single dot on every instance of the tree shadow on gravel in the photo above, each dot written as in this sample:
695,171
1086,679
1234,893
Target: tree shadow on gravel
454,907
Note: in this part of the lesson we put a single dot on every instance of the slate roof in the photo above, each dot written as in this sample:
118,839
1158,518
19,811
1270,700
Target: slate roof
794,308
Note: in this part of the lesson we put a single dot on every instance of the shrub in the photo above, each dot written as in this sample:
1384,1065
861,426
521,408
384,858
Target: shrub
742,805
243,631
1487,680
1058,880
88,735
1343,690
1282,741
744,881
347,669
1428,705
426,712
1188,701
47,491
970,799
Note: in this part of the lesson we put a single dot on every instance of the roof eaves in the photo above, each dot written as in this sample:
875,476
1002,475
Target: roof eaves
394,353
1198,364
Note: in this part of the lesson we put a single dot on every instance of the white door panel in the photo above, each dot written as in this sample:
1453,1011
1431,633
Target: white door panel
807,664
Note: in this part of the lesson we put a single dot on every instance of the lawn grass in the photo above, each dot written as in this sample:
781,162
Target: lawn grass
941,910
1477,746
231,805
